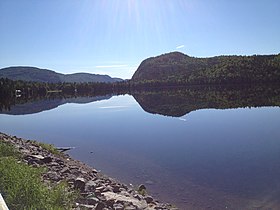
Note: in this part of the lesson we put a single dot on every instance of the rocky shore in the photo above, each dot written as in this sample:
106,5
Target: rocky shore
97,191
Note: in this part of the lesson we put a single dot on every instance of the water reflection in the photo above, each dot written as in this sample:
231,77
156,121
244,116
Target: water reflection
22,106
174,102
211,158
179,102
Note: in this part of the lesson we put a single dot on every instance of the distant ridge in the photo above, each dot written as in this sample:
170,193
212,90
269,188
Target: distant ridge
35,74
178,68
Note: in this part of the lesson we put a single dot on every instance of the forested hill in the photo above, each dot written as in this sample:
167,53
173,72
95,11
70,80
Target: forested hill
178,68
44,75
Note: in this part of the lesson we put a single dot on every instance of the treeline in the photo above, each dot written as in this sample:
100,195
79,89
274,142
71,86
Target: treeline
10,88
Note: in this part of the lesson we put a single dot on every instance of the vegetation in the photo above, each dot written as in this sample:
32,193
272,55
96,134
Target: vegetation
179,69
34,74
7,150
50,147
22,187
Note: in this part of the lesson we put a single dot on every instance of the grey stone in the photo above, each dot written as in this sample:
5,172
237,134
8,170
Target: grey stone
130,207
65,170
139,197
92,200
53,164
116,189
100,206
149,199
80,183
110,202
52,175
90,186
142,187
47,160
118,206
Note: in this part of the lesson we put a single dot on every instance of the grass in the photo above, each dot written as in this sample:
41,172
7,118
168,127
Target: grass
50,147
22,186
7,150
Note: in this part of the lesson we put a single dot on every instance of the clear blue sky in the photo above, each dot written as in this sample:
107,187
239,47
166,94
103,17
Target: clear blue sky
114,36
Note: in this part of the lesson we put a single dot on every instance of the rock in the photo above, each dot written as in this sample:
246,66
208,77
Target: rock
65,170
90,186
149,199
110,203
94,171
101,188
47,160
52,175
116,189
85,206
108,188
92,201
83,172
139,197
39,157
140,204
80,184
53,164
100,206
130,207
142,187
118,206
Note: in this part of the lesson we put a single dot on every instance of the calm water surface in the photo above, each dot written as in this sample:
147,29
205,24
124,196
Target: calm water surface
209,158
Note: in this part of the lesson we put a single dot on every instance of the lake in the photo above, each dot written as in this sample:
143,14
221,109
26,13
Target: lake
197,149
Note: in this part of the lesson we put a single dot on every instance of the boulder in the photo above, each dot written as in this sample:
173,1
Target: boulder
149,199
52,175
47,159
118,206
92,201
90,186
116,188
80,184
65,170
142,187
100,206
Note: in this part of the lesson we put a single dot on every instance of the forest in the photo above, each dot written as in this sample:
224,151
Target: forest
178,69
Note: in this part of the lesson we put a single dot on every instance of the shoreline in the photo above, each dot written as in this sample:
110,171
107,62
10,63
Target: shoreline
96,190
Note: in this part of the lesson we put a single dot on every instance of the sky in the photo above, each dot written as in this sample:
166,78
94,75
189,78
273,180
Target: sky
113,36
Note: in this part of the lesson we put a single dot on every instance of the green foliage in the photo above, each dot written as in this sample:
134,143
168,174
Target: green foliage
7,150
177,68
22,187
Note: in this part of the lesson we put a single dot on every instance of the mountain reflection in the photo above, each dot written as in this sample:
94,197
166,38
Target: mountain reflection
181,101
174,102
35,105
